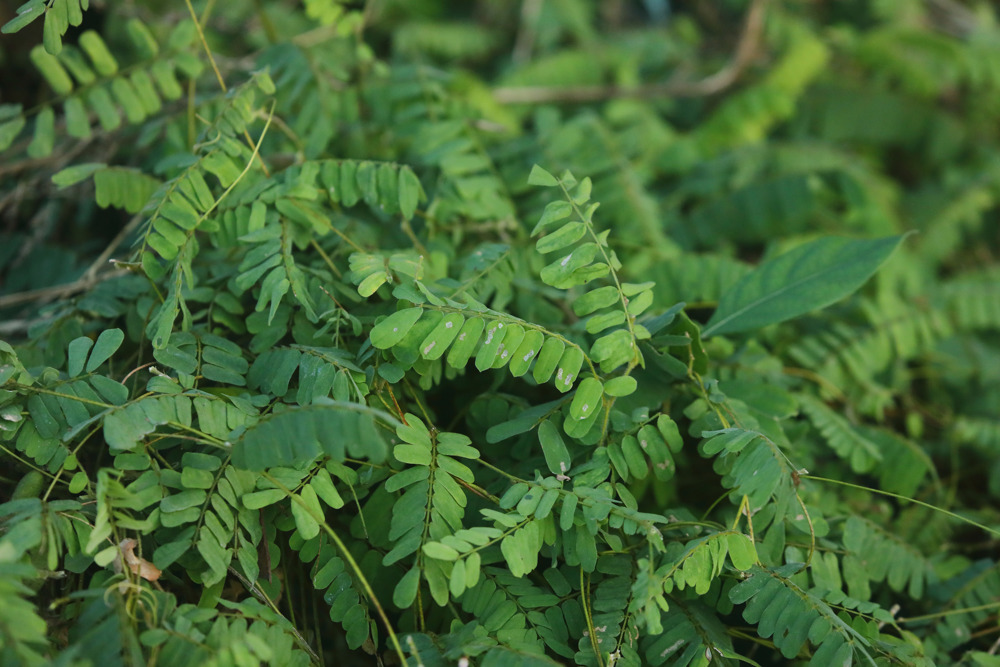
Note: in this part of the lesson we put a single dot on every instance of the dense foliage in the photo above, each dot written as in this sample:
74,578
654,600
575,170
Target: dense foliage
500,333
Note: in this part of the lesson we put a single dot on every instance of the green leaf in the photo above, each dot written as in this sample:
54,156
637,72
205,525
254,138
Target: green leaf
26,13
392,329
525,353
322,484
587,400
141,37
621,386
305,517
592,301
554,211
77,355
808,278
75,174
456,582
107,113
548,359
556,455
539,176
9,131
634,458
301,434
511,341
412,454
441,336
260,499
405,593
602,321
566,235
487,354
52,70
456,444
410,193
183,500
562,272
56,22
107,343
741,551
98,52
568,369
43,140
613,350
440,551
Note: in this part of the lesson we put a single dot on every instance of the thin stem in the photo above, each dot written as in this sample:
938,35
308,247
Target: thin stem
585,602
347,556
218,76
907,499
746,50
949,612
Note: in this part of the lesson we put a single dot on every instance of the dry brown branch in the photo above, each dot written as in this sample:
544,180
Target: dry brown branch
744,54
524,43
90,277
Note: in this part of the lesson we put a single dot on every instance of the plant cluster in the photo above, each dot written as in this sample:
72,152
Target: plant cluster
439,335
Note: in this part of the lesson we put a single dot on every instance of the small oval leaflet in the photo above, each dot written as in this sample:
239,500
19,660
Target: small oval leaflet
566,235
588,398
634,457
305,516
742,552
526,352
438,340
491,346
620,386
511,341
613,350
559,274
602,321
580,428
554,212
392,329
592,301
539,176
106,345
547,359
406,590
568,369
412,454
465,342
440,551
556,455
322,484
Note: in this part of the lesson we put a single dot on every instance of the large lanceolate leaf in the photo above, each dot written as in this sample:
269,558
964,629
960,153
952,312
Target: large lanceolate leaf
810,277
301,434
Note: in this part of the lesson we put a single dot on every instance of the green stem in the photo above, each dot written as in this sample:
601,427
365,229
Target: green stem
369,593
907,499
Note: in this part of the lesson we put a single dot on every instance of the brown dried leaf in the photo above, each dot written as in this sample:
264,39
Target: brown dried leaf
139,566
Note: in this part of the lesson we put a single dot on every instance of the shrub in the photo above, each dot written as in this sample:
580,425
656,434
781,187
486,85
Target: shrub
406,354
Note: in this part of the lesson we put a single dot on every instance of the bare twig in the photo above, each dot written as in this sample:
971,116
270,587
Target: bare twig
90,277
745,51
952,18
524,44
